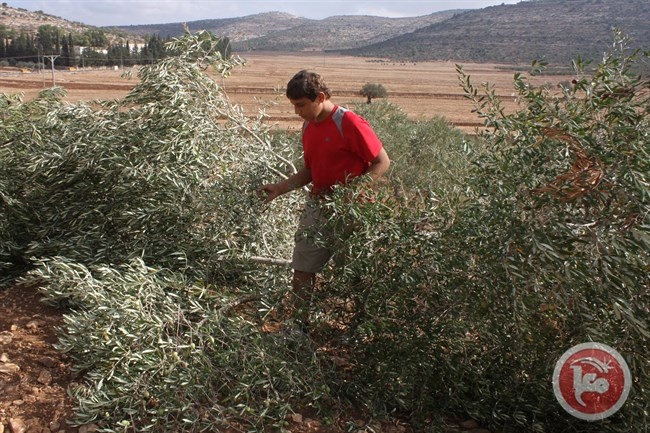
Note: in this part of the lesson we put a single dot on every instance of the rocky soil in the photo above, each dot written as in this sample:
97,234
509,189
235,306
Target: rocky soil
33,376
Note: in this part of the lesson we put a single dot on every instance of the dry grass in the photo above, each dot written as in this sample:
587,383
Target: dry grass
422,90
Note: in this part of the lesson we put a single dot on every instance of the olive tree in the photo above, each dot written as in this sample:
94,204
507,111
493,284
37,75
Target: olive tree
162,172
463,307
372,90
140,215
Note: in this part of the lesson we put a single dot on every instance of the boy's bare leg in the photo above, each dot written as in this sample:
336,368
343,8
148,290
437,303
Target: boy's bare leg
303,285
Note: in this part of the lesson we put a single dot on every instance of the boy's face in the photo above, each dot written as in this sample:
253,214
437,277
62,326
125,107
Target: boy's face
306,108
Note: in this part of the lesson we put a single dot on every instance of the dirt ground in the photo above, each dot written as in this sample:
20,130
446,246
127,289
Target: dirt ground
34,377
423,90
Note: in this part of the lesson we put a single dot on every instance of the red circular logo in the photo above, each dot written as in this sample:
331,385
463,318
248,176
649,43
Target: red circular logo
591,381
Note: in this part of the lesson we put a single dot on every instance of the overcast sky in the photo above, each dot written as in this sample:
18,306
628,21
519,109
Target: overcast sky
125,12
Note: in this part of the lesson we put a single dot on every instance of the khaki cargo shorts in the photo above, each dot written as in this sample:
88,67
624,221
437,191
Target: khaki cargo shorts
311,250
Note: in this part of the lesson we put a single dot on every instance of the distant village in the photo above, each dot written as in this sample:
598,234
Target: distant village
64,45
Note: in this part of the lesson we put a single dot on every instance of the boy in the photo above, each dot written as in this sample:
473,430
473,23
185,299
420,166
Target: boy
338,145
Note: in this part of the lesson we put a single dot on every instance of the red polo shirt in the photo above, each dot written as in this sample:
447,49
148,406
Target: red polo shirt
334,158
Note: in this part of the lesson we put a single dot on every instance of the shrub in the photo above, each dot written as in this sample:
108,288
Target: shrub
464,310
139,215
427,155
159,353
372,91
169,171
557,236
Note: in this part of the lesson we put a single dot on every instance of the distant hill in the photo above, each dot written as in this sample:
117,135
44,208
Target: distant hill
556,30
339,32
278,31
22,20
236,29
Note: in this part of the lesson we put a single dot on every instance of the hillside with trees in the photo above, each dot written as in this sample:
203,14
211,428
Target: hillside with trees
23,20
35,39
278,31
339,32
237,29
28,36
555,30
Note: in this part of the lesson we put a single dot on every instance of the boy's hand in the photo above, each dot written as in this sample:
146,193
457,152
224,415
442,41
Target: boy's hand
268,192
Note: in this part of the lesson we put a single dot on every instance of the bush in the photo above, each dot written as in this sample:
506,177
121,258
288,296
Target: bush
464,310
140,215
159,353
426,155
557,238
167,173
373,90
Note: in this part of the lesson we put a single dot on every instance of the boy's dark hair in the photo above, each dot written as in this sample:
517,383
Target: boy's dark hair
306,84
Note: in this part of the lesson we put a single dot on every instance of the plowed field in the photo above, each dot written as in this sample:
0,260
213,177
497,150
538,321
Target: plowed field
422,90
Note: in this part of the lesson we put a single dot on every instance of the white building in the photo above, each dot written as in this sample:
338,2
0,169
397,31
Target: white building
78,51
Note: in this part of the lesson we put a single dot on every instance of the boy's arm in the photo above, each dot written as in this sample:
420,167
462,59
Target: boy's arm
273,190
379,165
363,141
